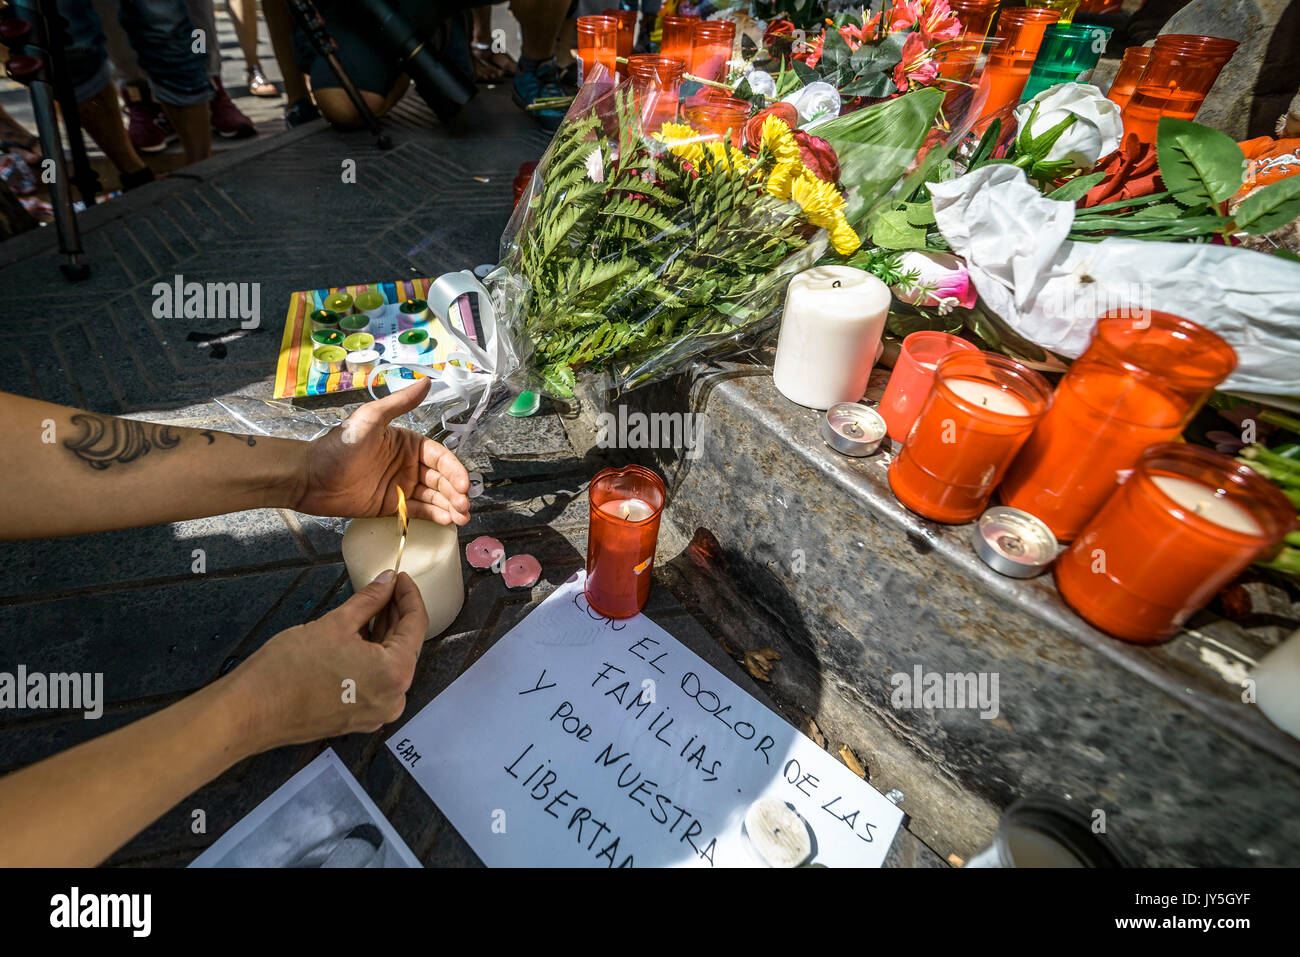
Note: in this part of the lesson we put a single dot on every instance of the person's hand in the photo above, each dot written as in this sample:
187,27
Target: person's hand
354,471
337,675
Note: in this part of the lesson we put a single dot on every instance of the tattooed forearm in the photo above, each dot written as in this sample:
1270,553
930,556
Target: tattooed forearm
105,440
212,437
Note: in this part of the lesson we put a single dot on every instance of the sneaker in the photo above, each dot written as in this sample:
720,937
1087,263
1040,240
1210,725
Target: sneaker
227,120
147,125
544,83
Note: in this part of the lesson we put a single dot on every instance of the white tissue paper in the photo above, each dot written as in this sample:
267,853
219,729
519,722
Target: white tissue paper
1052,291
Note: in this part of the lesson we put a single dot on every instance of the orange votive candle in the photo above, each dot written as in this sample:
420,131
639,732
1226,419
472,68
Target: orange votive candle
979,413
656,81
711,48
976,16
1021,30
625,507
1138,383
675,39
1182,526
1126,77
626,34
1178,75
597,46
913,375
717,116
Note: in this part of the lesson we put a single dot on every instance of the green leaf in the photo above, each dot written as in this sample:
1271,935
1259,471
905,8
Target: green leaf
1283,253
1199,165
919,214
1270,207
1076,188
892,231
870,84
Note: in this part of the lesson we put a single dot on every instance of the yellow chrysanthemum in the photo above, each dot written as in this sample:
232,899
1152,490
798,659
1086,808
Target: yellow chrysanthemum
682,141
779,182
844,240
820,201
777,139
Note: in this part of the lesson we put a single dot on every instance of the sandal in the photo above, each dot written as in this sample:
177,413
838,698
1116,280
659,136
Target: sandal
259,85
485,71
502,61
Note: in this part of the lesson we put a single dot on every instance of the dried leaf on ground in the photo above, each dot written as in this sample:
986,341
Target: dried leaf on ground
851,759
759,663
809,727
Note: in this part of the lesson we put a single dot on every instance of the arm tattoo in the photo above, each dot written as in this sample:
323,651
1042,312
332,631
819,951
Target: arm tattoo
212,437
104,440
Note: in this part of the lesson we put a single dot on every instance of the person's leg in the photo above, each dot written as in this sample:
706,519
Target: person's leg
279,24
224,118
162,36
337,108
244,15
539,27
92,82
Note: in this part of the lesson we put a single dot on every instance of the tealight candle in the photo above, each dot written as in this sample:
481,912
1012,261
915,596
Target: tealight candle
1136,385
1182,526
979,413
625,507
830,330
339,302
431,557
373,304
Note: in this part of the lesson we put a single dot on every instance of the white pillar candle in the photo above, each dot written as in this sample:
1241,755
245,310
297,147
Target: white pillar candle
1277,685
431,558
988,396
1202,500
830,333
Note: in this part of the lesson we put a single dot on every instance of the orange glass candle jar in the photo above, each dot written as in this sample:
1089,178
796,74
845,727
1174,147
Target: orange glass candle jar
597,46
1182,526
913,375
626,505
1021,30
711,48
1128,74
976,16
626,34
979,413
677,35
656,81
1138,384
714,116
1177,77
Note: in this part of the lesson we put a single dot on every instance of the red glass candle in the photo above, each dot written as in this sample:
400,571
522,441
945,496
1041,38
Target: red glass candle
522,179
597,45
976,16
1182,526
655,83
913,375
626,505
1139,383
1128,74
714,116
1177,77
711,48
675,39
979,413
1021,30
626,34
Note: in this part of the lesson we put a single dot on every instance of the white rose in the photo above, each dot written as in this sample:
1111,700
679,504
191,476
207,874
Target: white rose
1095,133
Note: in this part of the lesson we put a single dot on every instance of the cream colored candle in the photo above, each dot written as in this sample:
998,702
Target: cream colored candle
1206,502
431,558
830,333
987,396
630,509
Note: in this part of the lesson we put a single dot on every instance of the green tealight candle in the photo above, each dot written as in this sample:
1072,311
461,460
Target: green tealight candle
1069,54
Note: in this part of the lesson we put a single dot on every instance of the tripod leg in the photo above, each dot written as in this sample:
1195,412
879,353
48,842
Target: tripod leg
65,218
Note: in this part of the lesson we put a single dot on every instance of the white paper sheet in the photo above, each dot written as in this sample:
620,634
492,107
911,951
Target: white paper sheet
579,741
320,817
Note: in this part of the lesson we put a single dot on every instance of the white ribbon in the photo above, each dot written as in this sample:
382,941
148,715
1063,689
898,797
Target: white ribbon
457,386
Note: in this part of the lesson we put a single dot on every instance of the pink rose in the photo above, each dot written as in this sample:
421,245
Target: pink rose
942,282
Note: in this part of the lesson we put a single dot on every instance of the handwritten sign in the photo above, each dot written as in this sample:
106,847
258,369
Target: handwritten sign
581,741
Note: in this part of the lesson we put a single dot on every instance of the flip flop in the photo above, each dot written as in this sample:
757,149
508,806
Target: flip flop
485,71
497,60
259,85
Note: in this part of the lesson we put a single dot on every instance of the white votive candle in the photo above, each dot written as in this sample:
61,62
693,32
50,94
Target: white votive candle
630,509
1208,503
988,396
830,332
431,558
